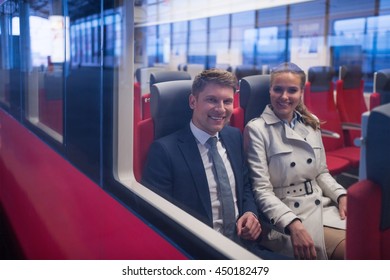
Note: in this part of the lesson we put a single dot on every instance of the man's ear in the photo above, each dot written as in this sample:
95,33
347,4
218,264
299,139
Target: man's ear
192,101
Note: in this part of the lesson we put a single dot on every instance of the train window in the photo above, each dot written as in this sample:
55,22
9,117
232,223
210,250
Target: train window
197,50
9,61
179,41
151,44
43,65
164,43
379,42
242,24
219,38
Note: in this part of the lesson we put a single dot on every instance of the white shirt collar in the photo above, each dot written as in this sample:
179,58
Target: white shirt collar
201,135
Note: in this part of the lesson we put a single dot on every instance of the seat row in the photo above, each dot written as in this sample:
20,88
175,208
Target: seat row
368,224
251,99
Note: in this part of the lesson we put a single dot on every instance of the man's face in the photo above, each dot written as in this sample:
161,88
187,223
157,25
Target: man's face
212,108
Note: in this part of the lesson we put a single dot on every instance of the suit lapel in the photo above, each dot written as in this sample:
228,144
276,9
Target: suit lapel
188,146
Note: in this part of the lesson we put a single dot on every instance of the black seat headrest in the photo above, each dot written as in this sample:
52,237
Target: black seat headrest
165,76
382,85
242,71
254,95
138,75
320,78
351,75
169,106
378,156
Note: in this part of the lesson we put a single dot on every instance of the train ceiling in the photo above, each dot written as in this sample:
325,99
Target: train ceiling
45,8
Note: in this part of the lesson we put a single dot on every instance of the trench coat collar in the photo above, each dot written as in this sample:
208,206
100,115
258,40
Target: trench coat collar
270,118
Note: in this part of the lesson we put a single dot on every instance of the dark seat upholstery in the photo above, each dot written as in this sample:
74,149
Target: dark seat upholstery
382,86
169,112
254,95
159,77
368,223
165,76
242,71
170,106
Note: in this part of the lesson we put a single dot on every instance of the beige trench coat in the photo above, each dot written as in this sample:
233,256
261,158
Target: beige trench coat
281,160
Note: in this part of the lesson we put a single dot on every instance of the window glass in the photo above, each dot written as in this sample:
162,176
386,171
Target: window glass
9,59
197,50
273,43
179,42
164,43
46,54
219,38
151,44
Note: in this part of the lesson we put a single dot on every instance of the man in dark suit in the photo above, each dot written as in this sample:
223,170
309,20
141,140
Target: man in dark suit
179,166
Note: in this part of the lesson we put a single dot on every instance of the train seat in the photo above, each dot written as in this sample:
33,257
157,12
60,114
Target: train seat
159,77
242,71
165,76
381,94
350,101
142,92
137,102
143,137
254,96
193,69
319,99
368,223
169,106
166,111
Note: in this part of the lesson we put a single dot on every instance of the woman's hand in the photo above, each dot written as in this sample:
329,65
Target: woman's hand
301,241
343,206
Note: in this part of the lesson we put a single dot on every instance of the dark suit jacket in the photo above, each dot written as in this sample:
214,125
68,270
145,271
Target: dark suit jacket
174,169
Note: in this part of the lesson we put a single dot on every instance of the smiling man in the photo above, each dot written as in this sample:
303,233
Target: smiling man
183,168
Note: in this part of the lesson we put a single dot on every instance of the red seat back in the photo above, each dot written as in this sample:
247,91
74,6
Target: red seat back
368,223
143,138
319,99
350,99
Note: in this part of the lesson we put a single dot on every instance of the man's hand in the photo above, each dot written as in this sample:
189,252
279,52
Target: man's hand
248,226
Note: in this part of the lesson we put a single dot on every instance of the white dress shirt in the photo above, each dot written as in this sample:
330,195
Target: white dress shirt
203,147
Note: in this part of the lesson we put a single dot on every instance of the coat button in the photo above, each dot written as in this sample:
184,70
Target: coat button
292,164
317,202
309,160
296,204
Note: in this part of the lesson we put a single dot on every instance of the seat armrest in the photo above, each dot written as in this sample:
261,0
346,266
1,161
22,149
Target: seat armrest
329,133
351,126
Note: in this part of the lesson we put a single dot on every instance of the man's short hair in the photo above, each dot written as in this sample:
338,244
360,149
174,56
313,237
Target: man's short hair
216,76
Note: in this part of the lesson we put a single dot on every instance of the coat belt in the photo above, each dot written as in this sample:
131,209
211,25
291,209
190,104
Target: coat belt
294,190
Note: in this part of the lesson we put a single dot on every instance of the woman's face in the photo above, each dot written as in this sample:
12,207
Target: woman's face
285,93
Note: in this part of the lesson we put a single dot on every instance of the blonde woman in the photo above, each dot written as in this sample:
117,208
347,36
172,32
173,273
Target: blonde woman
303,204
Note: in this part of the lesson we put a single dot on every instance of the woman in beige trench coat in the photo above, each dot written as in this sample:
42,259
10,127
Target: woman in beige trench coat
305,206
